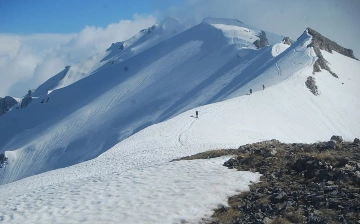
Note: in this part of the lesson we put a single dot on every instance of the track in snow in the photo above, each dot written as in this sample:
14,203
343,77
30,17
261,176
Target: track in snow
278,68
183,132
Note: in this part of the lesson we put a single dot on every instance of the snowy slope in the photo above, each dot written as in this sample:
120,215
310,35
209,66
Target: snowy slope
84,119
197,67
134,182
116,53
240,33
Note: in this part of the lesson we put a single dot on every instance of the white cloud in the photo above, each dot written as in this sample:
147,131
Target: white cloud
27,61
335,19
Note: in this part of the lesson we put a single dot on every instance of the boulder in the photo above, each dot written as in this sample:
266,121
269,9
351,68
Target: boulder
336,139
262,41
311,85
331,144
287,41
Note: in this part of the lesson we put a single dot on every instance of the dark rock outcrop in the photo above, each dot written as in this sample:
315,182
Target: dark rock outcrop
287,41
300,183
356,141
311,84
321,63
324,43
319,42
25,101
262,41
3,159
331,145
6,103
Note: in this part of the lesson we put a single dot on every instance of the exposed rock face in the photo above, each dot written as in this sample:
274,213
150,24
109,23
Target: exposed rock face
321,63
3,159
262,42
324,43
6,103
311,84
287,41
319,42
26,101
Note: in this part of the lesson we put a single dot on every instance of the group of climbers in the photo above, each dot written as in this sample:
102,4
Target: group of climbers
263,86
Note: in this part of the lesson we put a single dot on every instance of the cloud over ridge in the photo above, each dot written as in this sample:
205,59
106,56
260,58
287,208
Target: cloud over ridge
28,60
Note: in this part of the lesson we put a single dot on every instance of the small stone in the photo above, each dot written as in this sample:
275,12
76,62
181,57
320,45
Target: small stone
279,197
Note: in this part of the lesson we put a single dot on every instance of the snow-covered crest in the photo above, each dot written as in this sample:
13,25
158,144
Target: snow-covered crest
240,34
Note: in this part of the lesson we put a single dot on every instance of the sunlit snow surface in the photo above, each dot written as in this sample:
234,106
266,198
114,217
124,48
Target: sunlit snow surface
167,193
240,36
133,181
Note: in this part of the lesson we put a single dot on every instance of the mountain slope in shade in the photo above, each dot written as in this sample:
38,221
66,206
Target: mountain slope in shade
116,53
200,66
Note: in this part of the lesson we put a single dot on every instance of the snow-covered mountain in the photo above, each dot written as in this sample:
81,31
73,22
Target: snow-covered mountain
112,95
99,110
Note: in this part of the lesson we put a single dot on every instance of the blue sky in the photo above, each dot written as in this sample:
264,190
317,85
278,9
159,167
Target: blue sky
69,16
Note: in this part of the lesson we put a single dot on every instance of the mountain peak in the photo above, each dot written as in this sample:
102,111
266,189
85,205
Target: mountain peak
328,45
171,20
211,20
320,42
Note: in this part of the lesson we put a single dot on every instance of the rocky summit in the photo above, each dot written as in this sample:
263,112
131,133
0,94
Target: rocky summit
300,183
319,42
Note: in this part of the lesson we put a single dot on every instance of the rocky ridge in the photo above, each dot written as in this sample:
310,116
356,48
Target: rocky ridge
300,183
319,42
262,41
6,103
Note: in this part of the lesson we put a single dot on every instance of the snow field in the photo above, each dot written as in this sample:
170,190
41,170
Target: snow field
240,36
168,193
